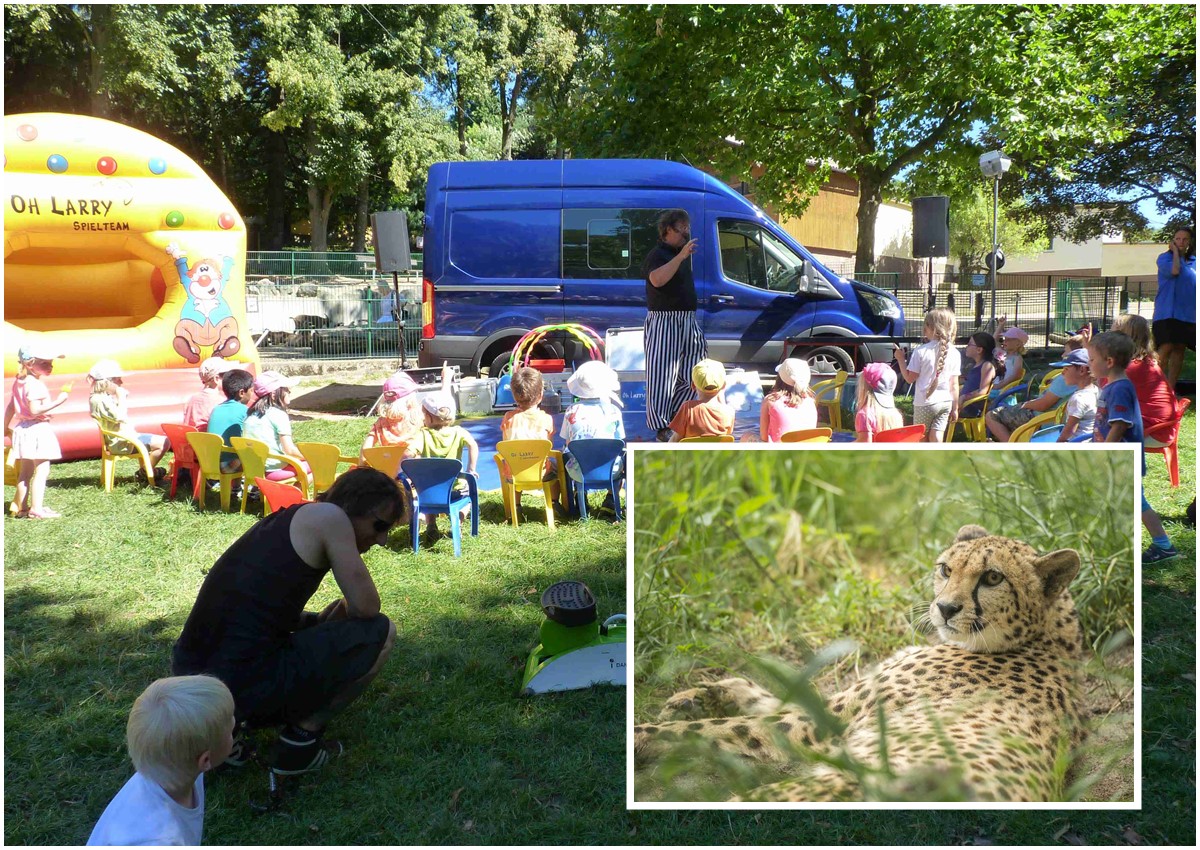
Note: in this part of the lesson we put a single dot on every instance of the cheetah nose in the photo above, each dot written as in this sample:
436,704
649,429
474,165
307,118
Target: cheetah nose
948,610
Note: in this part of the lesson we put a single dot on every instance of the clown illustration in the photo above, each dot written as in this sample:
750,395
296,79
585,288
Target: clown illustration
205,318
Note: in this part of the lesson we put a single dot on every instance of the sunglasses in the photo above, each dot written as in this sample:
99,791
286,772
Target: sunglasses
381,525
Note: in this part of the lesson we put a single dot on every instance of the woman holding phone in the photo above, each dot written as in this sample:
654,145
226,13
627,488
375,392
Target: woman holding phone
1175,305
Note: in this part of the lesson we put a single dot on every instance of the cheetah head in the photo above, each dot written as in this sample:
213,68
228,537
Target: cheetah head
993,594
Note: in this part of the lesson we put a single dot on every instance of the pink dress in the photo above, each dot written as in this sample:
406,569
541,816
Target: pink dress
781,418
33,438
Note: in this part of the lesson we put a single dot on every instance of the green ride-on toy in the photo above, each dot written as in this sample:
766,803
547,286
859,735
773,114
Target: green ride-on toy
575,651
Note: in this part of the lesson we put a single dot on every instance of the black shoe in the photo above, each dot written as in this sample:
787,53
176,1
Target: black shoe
292,757
242,752
663,435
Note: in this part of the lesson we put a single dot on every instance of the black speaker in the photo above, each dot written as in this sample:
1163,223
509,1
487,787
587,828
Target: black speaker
390,230
931,226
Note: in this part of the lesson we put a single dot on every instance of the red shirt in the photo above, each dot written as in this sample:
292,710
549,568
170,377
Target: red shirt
1154,394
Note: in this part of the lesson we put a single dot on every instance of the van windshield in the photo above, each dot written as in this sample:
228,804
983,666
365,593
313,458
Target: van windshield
751,255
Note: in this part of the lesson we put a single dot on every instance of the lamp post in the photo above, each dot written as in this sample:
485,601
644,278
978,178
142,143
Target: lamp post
993,164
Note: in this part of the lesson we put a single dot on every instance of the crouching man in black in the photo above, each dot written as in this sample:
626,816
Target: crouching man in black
284,665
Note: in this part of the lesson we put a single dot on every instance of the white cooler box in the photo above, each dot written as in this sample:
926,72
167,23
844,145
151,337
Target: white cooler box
474,396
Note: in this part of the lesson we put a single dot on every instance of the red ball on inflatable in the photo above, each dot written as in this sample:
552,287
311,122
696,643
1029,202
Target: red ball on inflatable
106,165
226,221
27,132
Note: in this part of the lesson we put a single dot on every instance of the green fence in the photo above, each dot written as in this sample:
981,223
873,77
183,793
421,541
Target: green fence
293,266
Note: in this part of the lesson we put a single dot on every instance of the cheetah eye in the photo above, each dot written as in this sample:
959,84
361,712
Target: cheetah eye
992,578
943,570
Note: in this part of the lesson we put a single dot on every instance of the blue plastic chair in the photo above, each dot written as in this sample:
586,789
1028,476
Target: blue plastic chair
1048,434
597,461
430,482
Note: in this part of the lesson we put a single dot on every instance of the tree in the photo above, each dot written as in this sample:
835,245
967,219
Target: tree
876,90
971,231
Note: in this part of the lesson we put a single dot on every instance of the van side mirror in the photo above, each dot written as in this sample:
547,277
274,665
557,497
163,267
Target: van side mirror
815,285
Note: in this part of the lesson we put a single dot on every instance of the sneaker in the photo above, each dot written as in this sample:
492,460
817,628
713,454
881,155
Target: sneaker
292,758
1156,554
663,435
160,475
242,752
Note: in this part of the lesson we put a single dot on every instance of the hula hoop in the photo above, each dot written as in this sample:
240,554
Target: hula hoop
591,340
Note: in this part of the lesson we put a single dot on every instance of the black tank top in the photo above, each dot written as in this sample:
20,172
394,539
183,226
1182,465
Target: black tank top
251,600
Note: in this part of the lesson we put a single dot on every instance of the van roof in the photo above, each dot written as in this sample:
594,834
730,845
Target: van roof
579,174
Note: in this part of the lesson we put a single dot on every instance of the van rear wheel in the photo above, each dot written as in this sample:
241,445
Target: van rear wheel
828,359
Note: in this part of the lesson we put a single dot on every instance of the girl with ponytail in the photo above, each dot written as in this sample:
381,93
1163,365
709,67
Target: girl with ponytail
935,368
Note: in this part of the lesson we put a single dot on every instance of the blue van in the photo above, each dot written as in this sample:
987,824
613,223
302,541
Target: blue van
513,245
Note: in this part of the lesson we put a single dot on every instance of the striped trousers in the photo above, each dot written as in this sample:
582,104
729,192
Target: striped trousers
674,344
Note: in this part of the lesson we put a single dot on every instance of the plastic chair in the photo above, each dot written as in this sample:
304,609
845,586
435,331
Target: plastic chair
525,459
1021,386
108,458
254,455
208,448
1022,433
183,456
807,435
973,427
907,434
1047,435
597,461
277,496
829,396
1163,439
430,484
709,438
323,460
385,458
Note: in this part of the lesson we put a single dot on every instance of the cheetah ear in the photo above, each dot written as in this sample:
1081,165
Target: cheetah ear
1057,569
970,532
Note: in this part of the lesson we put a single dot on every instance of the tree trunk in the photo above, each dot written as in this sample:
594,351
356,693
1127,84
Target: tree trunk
870,196
101,16
320,201
508,116
362,216
460,120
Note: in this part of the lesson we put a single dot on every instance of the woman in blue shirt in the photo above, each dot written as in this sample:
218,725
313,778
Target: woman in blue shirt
1175,305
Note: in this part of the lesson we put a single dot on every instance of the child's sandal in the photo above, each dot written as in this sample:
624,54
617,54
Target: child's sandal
44,513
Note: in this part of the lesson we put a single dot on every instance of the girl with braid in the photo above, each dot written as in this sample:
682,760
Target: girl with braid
936,366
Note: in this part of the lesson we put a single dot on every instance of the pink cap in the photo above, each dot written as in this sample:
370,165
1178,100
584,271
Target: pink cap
399,385
268,382
1015,333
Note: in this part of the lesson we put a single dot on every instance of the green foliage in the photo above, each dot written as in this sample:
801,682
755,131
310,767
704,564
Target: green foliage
971,230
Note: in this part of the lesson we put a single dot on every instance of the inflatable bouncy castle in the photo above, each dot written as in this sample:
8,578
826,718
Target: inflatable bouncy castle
116,245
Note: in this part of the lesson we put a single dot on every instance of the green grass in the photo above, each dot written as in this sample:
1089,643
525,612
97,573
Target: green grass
440,749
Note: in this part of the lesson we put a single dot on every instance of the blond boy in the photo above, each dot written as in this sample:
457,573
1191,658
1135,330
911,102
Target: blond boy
709,416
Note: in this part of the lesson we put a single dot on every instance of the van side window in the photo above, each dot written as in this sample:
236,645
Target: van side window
752,256
607,244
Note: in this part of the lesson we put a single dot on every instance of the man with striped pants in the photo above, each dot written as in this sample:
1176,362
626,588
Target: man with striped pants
674,341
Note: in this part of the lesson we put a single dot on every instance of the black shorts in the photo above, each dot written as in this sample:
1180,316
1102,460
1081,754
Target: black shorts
305,674
1174,332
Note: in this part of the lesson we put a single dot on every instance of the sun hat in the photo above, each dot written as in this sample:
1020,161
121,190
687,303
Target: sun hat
881,381
1015,333
214,366
37,351
708,375
440,404
794,372
1078,357
595,379
268,382
106,370
399,385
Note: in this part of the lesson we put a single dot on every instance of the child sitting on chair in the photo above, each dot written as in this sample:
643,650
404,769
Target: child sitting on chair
178,729
1002,421
441,437
400,416
875,407
1011,354
229,416
597,414
1081,406
200,406
528,421
709,416
108,404
789,406
267,421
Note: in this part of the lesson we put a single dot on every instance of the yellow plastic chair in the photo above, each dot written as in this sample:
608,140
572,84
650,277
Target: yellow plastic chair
973,427
385,458
521,463
1050,417
808,435
323,460
1047,379
709,438
108,458
208,448
829,396
254,455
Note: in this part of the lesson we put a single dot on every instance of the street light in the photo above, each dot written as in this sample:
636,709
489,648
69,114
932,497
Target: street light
993,164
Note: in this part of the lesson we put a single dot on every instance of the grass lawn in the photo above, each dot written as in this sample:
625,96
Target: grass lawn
440,749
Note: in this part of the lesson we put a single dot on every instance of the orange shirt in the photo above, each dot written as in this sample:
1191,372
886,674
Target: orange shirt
531,424
703,419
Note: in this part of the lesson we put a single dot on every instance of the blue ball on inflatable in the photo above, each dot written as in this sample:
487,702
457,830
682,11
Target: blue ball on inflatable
157,165
57,163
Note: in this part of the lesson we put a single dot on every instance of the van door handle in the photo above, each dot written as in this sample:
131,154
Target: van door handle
721,299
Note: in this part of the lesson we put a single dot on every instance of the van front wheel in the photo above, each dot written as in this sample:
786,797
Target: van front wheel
829,359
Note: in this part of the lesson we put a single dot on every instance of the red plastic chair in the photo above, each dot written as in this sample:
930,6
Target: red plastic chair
182,455
277,496
907,434
1166,436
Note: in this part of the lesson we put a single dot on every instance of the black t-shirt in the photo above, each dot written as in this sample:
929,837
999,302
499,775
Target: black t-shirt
251,601
679,293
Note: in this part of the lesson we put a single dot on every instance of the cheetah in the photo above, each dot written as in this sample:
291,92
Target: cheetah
987,712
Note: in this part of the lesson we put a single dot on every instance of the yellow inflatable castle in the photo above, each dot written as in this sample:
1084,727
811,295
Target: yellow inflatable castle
117,245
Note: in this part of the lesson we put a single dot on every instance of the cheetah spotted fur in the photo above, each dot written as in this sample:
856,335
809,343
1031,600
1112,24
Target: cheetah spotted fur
993,704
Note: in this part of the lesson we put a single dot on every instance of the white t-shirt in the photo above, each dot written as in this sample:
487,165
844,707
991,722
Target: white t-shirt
143,813
923,361
1082,403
